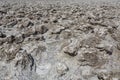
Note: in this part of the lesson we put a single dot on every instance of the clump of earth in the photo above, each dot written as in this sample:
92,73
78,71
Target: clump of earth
70,42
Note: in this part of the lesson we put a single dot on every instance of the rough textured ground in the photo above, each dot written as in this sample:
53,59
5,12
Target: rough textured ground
59,42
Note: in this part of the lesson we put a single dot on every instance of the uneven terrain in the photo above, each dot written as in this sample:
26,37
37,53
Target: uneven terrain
59,42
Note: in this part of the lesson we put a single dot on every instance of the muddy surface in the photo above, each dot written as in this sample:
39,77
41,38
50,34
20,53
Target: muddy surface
59,42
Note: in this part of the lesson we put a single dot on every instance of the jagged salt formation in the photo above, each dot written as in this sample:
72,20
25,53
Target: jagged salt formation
77,42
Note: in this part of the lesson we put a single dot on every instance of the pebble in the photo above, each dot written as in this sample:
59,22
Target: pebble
26,24
118,46
19,38
61,68
41,29
2,35
12,24
11,39
72,48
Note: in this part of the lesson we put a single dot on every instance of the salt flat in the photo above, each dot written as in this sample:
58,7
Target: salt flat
70,40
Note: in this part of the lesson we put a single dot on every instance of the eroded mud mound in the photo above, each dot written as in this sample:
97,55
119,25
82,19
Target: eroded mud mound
60,42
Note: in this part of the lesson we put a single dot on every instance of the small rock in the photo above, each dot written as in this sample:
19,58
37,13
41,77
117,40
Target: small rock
102,76
11,52
2,35
90,41
96,22
40,38
109,50
58,30
27,24
92,58
70,51
11,39
45,20
64,17
41,29
65,34
72,48
11,24
20,15
3,11
3,40
118,46
54,20
28,32
19,38
24,60
116,36
61,68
